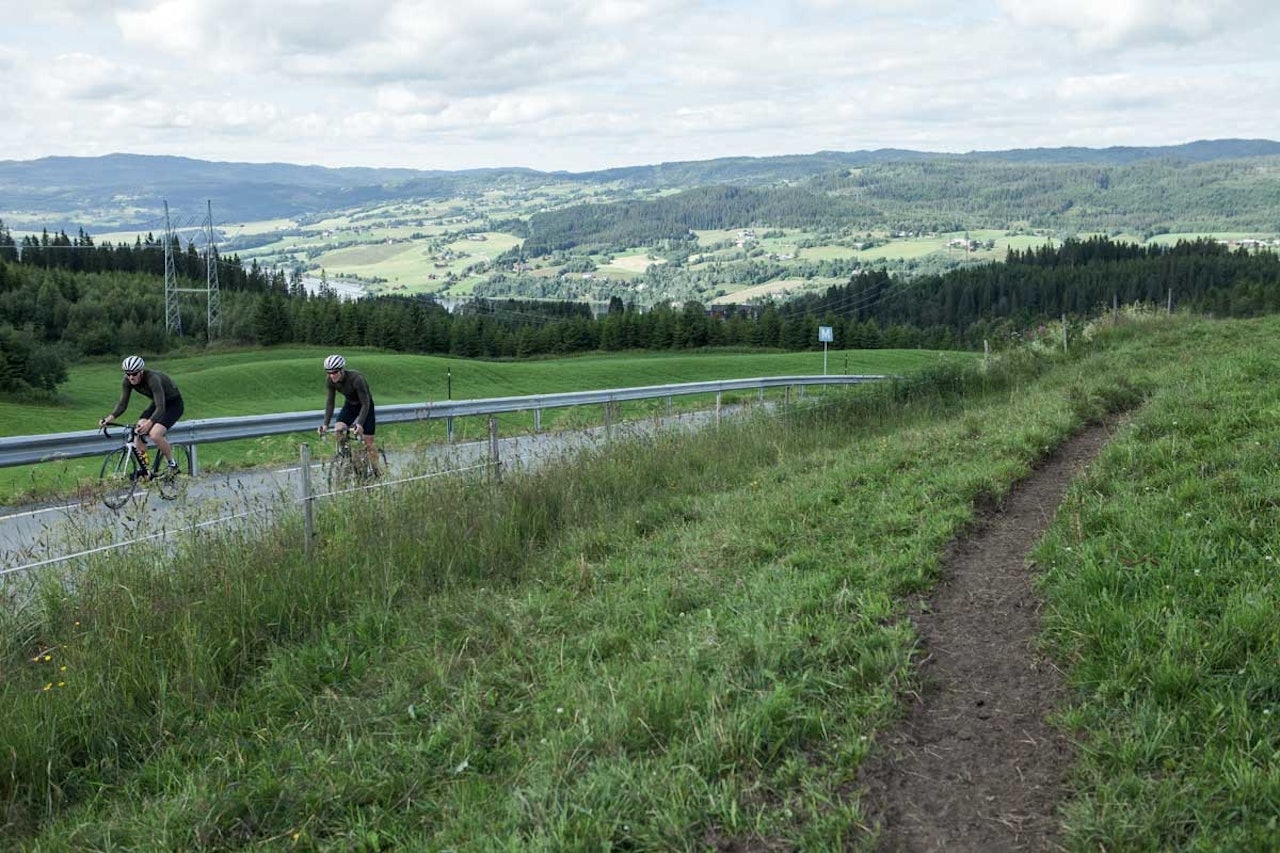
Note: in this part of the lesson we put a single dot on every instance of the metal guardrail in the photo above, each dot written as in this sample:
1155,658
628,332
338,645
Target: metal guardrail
31,449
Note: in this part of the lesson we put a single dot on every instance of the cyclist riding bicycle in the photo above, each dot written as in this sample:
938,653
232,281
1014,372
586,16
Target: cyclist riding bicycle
357,412
157,418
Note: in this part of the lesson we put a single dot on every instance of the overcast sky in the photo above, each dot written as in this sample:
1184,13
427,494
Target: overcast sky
588,84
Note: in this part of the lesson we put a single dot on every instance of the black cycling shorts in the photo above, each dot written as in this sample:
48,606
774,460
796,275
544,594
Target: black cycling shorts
351,411
172,411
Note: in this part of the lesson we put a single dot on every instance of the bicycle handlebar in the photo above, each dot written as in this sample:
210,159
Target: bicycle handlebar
127,431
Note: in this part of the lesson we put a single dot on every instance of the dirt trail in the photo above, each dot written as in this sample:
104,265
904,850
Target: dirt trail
975,766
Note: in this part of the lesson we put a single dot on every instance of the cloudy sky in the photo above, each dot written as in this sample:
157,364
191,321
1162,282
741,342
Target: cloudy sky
588,84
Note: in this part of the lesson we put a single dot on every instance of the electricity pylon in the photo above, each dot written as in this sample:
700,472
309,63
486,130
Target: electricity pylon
211,290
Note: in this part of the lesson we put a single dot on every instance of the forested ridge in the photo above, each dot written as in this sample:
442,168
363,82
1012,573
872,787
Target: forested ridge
1210,185
67,298
943,194
620,225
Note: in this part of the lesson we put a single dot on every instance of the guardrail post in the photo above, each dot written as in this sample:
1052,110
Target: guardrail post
537,420
718,406
448,430
304,454
608,420
192,465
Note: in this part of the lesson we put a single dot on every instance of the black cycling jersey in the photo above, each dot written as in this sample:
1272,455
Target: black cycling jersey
156,385
356,391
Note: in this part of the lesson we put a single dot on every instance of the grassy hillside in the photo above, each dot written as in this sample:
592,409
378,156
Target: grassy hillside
291,380
686,642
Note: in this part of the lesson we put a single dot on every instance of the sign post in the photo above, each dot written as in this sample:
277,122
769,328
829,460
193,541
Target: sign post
824,335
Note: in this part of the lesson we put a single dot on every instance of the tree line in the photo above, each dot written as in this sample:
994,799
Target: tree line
53,310
1077,278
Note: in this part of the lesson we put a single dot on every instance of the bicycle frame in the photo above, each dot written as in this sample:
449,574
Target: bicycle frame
350,465
123,468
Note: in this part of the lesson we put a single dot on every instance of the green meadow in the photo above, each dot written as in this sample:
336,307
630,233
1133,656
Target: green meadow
290,379
682,642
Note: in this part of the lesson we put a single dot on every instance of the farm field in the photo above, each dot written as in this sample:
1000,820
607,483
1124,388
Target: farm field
693,641
451,248
430,260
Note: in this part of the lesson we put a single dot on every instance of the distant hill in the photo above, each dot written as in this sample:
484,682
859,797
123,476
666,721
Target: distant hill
1203,151
795,167
128,192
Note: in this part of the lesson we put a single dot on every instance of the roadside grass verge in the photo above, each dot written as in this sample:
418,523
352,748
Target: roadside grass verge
673,643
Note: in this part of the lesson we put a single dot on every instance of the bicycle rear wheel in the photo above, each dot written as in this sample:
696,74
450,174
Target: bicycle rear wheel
119,478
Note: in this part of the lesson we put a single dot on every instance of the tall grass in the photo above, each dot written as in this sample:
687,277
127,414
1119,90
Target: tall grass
1164,597
678,642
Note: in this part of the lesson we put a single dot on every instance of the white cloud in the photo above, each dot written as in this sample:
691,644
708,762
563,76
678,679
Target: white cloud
1110,24
581,84
83,77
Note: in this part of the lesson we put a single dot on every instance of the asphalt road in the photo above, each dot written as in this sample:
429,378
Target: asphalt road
58,537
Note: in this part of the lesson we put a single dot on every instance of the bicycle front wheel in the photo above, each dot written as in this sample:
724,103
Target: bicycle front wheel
342,472
361,466
118,477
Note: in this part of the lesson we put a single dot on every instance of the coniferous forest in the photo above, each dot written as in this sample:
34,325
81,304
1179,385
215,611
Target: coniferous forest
64,298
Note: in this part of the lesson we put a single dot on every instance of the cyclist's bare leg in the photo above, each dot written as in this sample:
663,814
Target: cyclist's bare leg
370,446
157,435
341,430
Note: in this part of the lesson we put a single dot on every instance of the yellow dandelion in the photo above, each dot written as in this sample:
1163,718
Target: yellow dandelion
62,684
48,657
49,686
62,668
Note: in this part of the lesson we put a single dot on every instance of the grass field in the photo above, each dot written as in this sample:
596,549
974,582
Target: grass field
290,380
776,289
686,642
632,264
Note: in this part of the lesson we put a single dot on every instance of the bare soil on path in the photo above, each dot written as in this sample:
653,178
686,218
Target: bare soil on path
976,765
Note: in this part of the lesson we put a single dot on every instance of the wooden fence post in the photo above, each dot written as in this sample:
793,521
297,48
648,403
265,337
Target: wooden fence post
304,453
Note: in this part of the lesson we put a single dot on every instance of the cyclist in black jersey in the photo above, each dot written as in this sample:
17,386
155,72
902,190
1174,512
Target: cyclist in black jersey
358,411
156,419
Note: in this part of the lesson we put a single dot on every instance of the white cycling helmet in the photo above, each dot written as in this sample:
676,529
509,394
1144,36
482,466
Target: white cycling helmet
133,364
333,362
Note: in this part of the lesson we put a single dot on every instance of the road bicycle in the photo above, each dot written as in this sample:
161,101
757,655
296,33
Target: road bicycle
350,465
122,476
